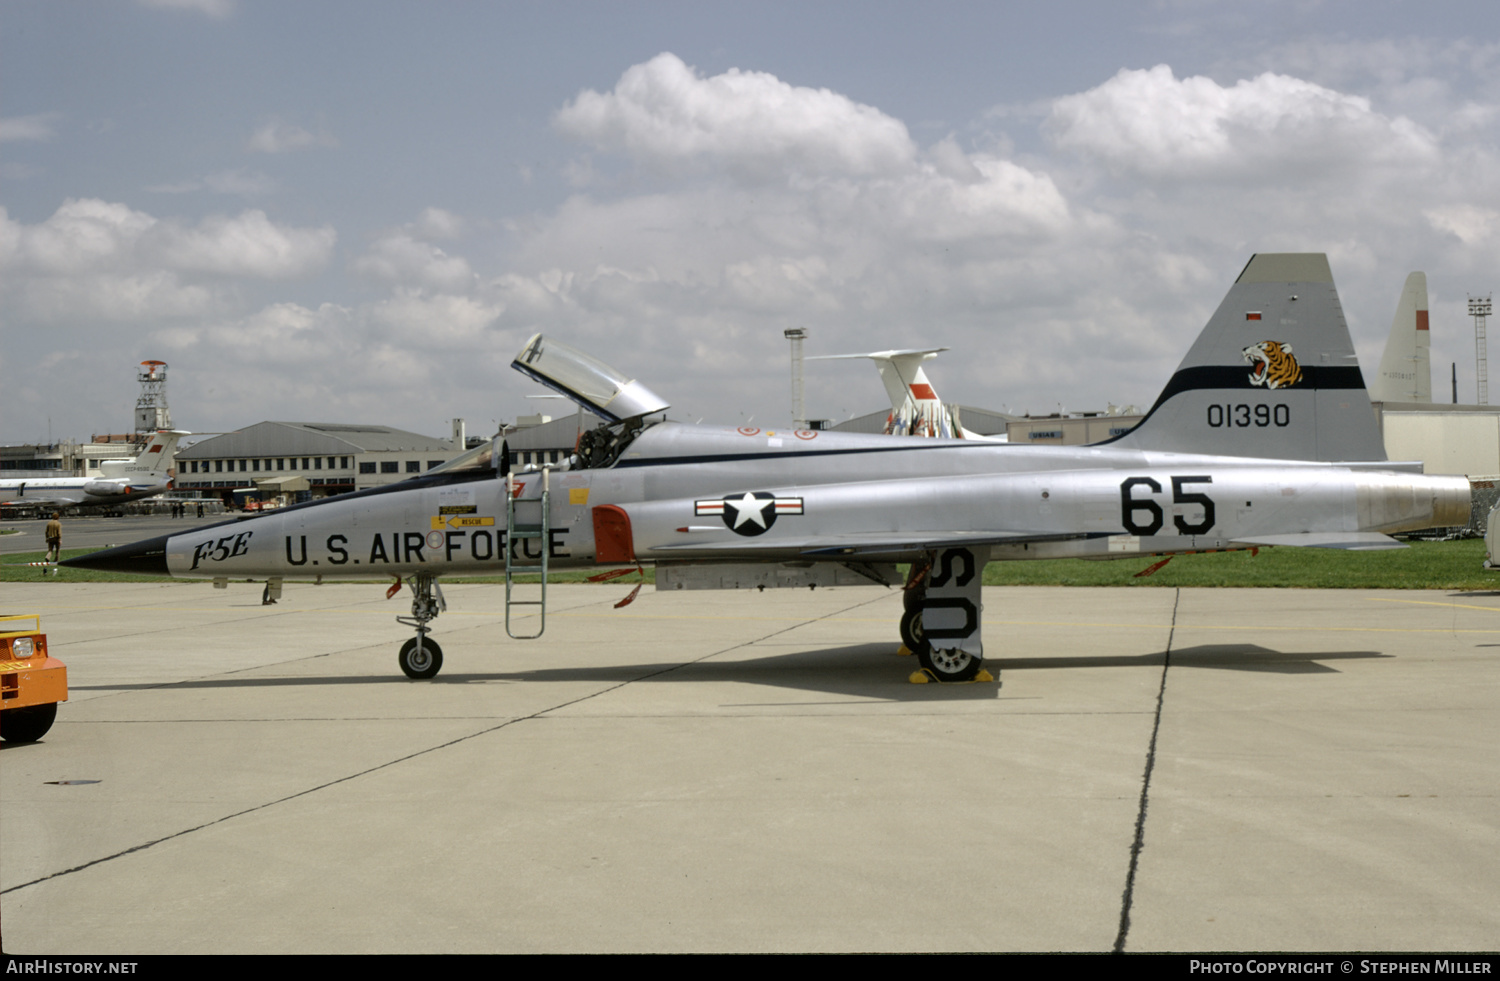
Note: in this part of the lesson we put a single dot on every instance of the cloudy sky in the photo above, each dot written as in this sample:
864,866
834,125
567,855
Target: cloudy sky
359,211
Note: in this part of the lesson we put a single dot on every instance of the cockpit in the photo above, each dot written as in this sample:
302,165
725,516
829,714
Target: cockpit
623,403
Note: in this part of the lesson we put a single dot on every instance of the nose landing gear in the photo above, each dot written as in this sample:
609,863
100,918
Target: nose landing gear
421,657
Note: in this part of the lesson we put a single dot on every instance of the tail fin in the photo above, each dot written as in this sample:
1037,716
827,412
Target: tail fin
1273,375
916,409
155,458
1405,369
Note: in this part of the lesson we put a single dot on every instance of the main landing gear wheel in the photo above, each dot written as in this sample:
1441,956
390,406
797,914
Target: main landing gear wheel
421,662
911,630
952,665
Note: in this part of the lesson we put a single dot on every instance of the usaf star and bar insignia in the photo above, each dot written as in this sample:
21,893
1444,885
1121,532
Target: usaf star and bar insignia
750,513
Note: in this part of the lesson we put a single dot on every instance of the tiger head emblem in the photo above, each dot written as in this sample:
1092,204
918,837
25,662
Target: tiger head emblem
1274,365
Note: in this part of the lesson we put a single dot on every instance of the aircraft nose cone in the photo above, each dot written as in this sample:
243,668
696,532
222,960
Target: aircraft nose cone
145,558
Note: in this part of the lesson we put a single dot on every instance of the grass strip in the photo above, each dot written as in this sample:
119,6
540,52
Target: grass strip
1456,565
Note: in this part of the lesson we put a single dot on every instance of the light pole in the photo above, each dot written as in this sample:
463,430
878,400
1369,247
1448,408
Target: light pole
799,415
1479,309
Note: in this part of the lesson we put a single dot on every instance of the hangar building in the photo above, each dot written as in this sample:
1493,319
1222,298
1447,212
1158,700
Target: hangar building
316,458
1448,439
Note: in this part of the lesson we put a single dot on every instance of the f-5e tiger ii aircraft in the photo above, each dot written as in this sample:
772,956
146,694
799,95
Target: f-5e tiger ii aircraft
1263,436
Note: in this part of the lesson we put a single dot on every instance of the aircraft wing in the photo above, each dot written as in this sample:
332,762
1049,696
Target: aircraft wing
871,543
887,543
41,502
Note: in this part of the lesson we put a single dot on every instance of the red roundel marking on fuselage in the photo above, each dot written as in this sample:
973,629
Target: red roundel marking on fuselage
749,430
807,434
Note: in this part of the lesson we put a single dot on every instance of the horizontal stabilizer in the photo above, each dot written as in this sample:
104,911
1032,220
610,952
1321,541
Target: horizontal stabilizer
1361,541
922,353
1389,466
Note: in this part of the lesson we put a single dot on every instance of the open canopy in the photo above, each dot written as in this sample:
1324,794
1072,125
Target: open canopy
586,380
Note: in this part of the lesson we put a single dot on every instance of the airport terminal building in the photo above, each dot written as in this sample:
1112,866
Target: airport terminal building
67,458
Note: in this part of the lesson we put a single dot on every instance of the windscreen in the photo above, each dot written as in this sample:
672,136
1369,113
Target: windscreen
481,457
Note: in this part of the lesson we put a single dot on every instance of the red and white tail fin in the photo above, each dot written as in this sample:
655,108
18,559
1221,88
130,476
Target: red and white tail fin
916,409
152,464
1405,373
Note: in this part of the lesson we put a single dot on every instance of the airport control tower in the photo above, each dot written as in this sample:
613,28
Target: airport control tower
151,412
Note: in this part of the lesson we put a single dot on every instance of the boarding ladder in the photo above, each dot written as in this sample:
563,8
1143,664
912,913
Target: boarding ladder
528,524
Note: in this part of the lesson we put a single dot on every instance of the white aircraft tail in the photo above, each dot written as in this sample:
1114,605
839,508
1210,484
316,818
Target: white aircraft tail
1405,373
152,464
916,409
1272,375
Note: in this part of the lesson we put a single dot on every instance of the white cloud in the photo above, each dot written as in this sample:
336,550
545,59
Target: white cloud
249,244
442,322
96,259
1414,75
84,234
36,128
382,353
1099,261
1075,271
1052,282
403,257
1470,224
399,258
87,235
1152,124
749,123
278,136
437,223
846,227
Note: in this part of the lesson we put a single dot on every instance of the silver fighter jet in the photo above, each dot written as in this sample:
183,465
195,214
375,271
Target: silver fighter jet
1263,436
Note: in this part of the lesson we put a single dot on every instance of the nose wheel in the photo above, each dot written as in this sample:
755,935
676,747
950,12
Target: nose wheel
421,657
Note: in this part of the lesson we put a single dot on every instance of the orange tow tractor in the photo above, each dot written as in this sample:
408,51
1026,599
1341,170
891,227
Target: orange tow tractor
31,683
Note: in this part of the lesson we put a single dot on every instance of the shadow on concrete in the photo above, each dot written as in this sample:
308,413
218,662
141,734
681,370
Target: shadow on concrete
1232,657
861,671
